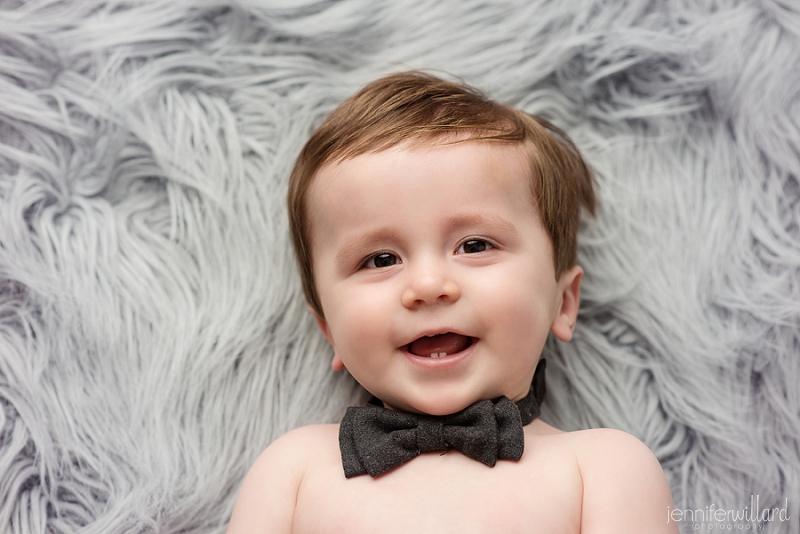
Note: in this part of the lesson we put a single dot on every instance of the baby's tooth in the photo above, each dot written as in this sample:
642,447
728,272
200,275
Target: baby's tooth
442,354
434,355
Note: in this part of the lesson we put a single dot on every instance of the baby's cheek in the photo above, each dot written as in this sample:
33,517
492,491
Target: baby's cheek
362,324
521,312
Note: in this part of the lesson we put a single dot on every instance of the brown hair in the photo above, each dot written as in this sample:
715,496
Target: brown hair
419,108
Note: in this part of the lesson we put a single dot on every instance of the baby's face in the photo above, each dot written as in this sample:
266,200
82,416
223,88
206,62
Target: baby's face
435,273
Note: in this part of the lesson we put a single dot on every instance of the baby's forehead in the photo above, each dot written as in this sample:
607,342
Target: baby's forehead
371,184
516,154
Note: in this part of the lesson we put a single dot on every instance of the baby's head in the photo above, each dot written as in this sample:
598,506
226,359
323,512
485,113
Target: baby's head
436,234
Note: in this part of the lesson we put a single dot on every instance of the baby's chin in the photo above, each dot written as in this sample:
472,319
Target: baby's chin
437,397
429,407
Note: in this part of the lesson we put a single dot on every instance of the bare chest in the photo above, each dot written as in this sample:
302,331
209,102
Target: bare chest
445,493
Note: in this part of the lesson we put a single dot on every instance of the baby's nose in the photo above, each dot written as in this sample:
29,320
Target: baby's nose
430,287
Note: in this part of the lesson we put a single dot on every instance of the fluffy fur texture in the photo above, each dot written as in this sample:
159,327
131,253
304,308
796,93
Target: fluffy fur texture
153,334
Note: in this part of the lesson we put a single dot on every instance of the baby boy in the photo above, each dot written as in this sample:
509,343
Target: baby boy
436,235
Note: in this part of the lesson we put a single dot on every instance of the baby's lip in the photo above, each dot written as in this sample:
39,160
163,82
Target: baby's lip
439,345
433,332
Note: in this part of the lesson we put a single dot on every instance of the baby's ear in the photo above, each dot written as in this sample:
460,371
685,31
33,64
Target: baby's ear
570,286
337,363
321,322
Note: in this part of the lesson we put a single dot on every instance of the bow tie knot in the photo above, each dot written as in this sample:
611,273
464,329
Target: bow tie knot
430,435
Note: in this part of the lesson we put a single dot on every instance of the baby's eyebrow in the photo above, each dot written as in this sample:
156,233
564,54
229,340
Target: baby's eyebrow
366,241
479,219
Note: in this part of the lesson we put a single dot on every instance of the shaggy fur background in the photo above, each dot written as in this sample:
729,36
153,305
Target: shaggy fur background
153,335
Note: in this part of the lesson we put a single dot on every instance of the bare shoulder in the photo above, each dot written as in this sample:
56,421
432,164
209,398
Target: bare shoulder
267,498
624,487
290,454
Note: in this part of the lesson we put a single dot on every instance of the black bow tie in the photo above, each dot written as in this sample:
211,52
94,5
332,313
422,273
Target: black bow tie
373,439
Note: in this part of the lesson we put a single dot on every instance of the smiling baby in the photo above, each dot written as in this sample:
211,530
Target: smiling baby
436,234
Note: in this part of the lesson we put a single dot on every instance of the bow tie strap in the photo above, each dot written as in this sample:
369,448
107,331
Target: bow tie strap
530,407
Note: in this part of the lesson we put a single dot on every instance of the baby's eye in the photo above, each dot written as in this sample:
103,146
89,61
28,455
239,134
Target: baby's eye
384,259
473,246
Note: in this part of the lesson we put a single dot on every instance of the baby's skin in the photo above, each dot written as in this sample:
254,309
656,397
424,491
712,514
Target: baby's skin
590,481
415,246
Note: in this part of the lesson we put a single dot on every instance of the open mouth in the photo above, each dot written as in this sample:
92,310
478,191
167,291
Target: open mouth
439,345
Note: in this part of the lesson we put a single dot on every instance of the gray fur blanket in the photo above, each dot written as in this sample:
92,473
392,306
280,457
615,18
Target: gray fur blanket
153,334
